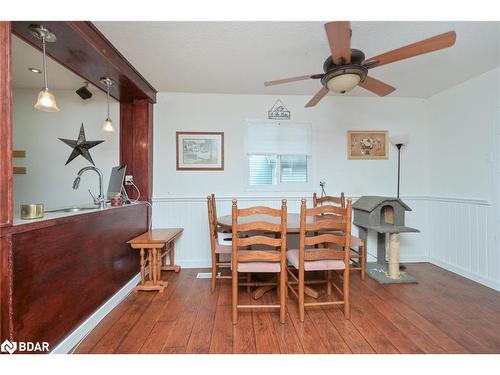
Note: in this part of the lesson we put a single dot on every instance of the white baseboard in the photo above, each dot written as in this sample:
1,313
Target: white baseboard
467,274
414,259
197,263
409,258
92,321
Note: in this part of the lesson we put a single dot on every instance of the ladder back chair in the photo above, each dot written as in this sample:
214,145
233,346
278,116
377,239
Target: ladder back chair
248,222
358,249
216,248
340,201
334,256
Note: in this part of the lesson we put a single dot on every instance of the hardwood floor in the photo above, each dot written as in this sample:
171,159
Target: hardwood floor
444,313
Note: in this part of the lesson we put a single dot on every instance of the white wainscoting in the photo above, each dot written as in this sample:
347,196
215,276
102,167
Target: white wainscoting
456,234
462,239
190,213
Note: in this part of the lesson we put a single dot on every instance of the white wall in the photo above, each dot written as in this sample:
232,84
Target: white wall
464,148
330,121
462,123
48,180
180,196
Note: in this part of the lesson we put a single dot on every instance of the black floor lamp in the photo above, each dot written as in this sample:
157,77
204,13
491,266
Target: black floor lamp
399,142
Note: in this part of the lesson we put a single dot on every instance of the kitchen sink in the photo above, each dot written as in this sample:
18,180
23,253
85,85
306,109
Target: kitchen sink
72,209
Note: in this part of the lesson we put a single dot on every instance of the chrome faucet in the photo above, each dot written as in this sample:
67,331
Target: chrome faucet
99,200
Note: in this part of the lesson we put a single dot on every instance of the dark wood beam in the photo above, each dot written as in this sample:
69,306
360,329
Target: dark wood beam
136,145
6,170
84,50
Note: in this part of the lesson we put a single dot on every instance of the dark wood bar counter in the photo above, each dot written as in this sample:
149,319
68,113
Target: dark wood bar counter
62,270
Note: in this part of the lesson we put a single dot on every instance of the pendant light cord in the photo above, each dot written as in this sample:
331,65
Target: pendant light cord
45,83
107,96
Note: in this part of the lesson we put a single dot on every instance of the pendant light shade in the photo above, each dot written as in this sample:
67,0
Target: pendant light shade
46,100
108,126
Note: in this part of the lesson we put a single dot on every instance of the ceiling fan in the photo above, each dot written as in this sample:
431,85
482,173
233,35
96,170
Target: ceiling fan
347,67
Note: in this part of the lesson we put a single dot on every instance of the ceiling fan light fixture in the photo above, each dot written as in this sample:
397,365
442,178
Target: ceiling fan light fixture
345,78
343,83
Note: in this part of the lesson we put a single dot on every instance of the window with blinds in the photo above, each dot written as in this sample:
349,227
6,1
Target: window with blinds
262,170
278,153
293,168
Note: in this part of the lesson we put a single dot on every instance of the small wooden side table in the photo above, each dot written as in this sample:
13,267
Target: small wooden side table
154,246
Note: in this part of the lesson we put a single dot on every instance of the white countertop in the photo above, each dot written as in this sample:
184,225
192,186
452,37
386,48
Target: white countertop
48,215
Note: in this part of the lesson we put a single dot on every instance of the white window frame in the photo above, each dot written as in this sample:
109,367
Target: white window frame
280,186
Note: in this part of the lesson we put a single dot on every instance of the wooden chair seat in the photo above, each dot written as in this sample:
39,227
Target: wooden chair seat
263,267
256,266
223,249
292,256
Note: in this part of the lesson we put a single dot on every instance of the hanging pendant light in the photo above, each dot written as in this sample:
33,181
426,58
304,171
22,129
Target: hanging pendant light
46,100
108,124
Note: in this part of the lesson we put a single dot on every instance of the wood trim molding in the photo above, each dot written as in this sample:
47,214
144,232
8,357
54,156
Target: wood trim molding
6,289
6,167
136,145
297,197
84,50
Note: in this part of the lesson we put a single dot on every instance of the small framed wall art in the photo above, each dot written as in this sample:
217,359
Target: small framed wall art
200,151
367,144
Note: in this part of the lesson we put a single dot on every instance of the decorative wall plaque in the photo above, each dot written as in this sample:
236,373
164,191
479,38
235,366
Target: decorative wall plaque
278,112
367,144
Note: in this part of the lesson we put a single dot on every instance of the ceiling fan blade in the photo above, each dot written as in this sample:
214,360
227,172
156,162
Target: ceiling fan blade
292,79
419,48
377,87
316,98
339,38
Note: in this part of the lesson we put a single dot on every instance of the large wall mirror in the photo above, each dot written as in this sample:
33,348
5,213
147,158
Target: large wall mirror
40,173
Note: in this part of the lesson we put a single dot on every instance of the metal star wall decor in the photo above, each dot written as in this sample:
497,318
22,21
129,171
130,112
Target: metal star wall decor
80,146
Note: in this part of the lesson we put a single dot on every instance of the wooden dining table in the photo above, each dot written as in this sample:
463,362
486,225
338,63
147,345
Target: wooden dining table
293,227
293,221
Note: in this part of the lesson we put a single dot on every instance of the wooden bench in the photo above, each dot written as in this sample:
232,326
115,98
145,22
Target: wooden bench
154,242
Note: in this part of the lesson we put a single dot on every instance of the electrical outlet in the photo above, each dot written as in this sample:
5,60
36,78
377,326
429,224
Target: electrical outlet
129,180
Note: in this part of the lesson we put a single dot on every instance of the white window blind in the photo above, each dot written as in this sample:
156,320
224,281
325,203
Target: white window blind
278,152
262,170
293,168
269,137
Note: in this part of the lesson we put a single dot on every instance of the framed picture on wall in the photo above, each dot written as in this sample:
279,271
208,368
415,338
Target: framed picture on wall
367,144
200,151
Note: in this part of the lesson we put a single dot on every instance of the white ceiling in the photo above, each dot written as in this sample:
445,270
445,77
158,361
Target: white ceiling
237,57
